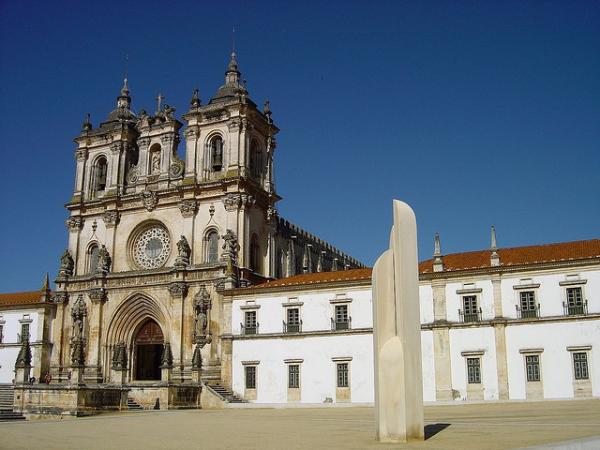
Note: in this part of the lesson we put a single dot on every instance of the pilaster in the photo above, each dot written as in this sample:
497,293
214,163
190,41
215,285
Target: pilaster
497,292
442,363
501,364
81,155
178,291
98,297
438,288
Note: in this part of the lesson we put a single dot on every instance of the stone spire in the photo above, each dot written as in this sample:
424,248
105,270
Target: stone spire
232,75
87,124
494,258
438,264
195,101
46,285
124,100
320,261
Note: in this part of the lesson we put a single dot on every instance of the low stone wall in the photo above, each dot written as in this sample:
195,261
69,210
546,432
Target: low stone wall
57,400
160,396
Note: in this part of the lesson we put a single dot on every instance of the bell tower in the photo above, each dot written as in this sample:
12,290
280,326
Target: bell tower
230,143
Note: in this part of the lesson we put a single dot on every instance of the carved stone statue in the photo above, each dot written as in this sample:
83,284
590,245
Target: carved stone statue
78,340
230,247
66,264
119,360
155,162
104,261
184,251
201,306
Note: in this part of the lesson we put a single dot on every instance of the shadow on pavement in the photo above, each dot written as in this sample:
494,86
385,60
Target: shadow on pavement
434,428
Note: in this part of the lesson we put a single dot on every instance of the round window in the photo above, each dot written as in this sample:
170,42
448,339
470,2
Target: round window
152,248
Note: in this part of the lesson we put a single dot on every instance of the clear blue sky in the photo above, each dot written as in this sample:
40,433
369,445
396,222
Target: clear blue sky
475,113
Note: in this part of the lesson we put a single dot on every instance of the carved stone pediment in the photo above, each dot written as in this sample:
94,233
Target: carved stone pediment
111,218
178,289
149,199
188,207
74,222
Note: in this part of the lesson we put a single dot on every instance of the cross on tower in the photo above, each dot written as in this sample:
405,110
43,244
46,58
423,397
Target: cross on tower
159,100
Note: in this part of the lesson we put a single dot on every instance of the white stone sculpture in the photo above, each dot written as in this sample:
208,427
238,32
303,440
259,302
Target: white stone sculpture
397,334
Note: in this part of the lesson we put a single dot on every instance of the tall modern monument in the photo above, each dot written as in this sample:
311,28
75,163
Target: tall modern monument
397,334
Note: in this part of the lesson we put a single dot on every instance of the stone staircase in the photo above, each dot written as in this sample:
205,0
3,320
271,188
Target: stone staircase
132,405
225,393
7,397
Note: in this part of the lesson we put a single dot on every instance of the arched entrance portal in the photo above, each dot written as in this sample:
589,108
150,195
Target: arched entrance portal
149,343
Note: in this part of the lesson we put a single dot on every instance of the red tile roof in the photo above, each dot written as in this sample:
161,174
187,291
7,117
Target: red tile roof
319,278
516,256
21,298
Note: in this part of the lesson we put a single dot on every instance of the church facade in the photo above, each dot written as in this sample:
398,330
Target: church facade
152,238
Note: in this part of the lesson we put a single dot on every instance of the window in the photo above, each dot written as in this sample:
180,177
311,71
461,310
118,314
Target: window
250,375
342,375
212,247
474,370
293,376
92,258
580,366
24,332
216,153
341,319
293,320
99,174
528,306
532,365
574,301
254,254
255,160
250,326
470,310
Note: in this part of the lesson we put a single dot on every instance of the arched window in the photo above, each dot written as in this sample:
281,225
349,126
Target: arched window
254,254
100,170
212,247
216,153
255,160
92,258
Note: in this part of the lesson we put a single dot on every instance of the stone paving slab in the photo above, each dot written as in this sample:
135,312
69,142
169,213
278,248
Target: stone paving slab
480,426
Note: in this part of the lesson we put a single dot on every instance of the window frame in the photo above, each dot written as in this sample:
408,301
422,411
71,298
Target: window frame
207,246
250,373
342,371
473,376
581,368
535,374
293,376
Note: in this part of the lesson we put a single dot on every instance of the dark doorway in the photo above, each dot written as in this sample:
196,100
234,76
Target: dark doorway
148,351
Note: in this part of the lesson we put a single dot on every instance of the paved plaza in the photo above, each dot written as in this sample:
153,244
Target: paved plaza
476,426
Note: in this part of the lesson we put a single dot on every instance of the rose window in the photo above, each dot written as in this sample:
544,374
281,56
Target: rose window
152,248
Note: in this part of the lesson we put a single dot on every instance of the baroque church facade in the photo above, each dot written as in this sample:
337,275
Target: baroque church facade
153,238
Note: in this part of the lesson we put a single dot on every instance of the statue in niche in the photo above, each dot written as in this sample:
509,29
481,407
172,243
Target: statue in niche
78,315
104,261
201,306
66,264
155,163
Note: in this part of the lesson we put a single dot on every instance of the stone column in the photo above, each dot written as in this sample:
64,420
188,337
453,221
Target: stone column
235,136
81,155
193,161
397,334
98,297
75,224
142,165
501,364
114,165
57,359
178,291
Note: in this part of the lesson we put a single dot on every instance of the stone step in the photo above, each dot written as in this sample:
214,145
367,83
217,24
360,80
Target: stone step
226,394
6,416
133,405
